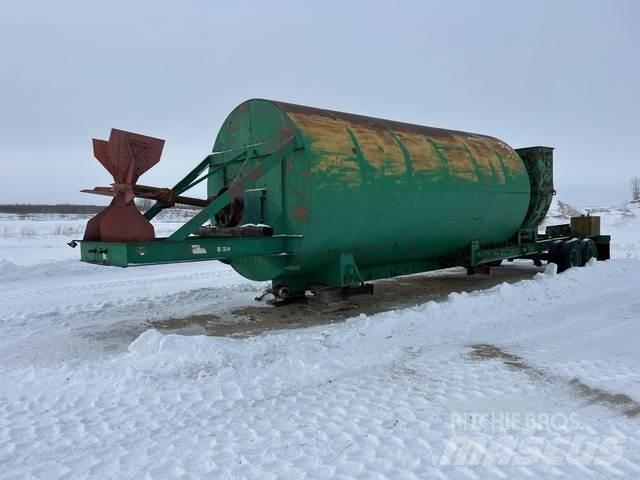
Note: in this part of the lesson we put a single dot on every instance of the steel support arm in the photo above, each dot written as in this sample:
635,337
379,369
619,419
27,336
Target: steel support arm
190,250
235,189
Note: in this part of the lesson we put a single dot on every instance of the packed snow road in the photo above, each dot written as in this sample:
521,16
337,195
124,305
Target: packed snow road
530,379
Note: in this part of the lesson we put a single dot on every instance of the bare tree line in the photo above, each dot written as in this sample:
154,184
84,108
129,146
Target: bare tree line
145,204
635,189
71,209
26,208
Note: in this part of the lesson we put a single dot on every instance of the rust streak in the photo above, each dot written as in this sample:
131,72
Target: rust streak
300,213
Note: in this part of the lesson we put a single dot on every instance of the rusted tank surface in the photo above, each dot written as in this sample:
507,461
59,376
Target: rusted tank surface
394,197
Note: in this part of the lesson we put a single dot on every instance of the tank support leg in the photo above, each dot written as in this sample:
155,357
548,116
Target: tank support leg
342,272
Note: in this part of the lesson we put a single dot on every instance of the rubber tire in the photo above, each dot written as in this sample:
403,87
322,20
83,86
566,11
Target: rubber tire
495,263
553,253
569,255
588,250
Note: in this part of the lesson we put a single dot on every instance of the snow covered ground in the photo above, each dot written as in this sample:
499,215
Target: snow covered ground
535,379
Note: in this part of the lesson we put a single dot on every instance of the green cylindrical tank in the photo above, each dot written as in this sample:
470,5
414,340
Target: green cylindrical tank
393,197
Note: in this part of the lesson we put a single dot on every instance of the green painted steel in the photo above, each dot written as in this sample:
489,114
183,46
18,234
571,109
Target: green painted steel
370,198
236,188
352,198
539,164
189,250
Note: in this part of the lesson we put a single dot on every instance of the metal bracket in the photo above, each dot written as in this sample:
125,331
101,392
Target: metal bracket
247,181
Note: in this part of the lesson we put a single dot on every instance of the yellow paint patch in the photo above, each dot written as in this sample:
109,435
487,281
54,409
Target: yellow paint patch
459,161
509,157
330,137
459,155
327,134
330,140
486,158
424,157
380,150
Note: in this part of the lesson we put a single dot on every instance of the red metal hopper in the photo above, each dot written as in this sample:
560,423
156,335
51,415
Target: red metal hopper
126,156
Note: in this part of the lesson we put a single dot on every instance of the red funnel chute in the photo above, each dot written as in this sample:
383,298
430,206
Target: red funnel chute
126,156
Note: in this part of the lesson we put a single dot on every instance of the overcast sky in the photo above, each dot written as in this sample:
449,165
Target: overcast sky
559,73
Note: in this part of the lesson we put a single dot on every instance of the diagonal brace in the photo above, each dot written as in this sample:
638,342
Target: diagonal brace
247,181
191,179
178,188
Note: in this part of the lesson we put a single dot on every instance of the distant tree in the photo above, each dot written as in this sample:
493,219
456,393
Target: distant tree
635,188
26,209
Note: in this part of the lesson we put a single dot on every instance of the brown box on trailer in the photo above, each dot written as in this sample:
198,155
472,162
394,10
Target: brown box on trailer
585,226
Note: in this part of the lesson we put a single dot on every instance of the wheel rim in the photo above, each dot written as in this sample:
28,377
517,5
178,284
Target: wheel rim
231,214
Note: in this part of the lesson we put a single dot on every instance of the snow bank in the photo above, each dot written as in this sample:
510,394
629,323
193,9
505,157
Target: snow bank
10,271
37,238
363,342
30,226
376,396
